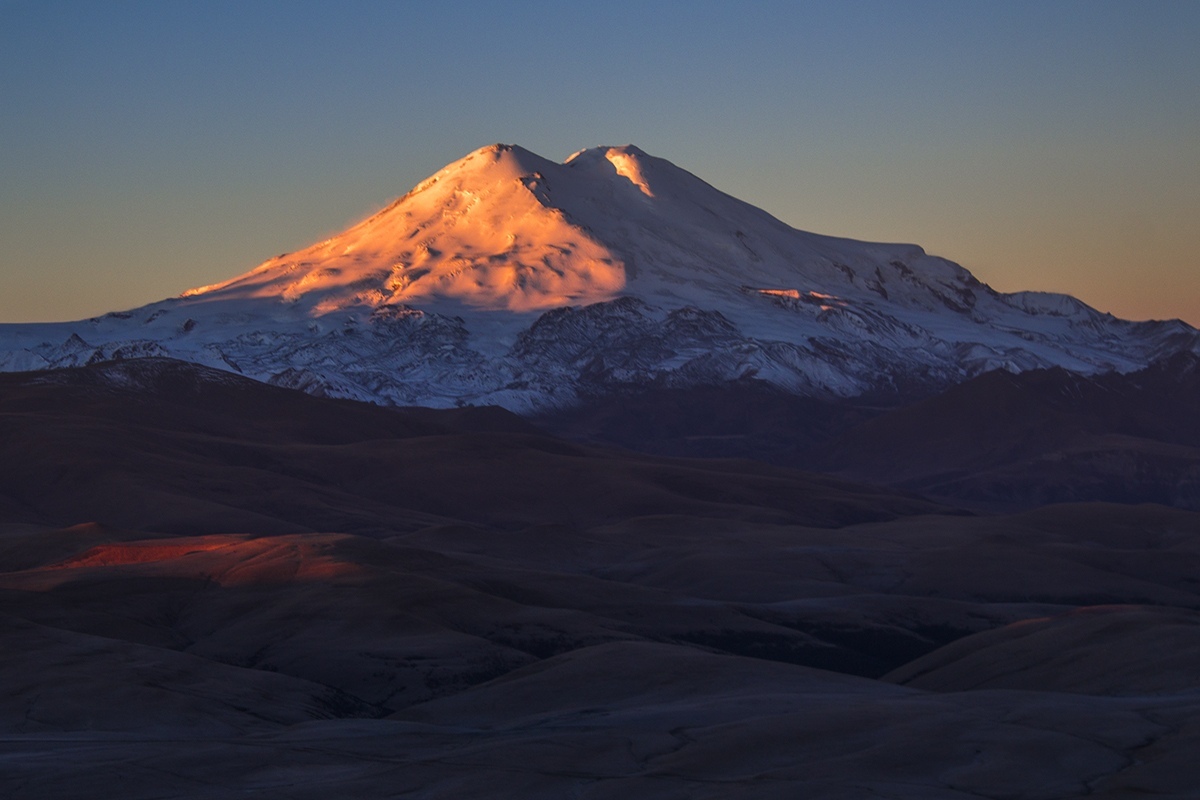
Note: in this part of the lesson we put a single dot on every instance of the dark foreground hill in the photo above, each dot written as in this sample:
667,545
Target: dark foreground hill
213,588
1001,441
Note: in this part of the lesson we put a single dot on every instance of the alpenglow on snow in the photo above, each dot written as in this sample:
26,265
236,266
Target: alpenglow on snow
512,280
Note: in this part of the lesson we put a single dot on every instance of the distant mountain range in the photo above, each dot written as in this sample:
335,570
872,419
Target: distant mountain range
511,280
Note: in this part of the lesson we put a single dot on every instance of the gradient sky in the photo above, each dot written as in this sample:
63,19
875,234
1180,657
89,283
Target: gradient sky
148,147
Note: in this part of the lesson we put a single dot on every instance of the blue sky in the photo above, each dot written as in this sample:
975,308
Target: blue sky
147,147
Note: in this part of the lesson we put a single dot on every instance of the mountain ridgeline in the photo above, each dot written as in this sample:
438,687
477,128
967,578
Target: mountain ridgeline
508,279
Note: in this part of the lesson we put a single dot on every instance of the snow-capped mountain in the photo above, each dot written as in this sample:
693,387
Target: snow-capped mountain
506,278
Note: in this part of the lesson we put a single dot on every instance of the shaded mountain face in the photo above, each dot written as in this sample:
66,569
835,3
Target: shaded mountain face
509,279
210,586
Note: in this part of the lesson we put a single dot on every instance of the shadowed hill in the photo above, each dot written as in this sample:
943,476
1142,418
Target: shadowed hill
289,596
1045,436
998,442
159,445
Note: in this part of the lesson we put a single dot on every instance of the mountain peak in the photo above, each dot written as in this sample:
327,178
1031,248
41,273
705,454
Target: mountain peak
510,160
501,228
482,232
628,162
504,229
509,278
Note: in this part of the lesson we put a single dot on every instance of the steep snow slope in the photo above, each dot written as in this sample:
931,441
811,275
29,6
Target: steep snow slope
481,231
507,278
